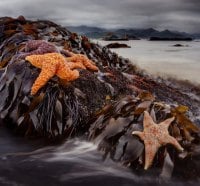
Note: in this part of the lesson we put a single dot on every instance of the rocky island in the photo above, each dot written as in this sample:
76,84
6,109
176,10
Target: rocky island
67,86
117,45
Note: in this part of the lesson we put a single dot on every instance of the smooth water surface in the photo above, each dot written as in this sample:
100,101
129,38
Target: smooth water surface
163,58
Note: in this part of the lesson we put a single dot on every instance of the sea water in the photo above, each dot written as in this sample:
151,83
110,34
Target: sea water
75,162
162,58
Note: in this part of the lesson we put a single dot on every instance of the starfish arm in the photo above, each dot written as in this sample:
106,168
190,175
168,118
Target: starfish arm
67,53
167,122
33,52
72,65
89,64
148,121
33,45
73,59
35,60
47,72
79,58
174,142
65,73
151,149
39,47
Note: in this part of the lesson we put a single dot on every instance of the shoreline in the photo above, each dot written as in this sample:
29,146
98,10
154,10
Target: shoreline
161,58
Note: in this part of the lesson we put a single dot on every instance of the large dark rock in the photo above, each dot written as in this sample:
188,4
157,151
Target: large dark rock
117,45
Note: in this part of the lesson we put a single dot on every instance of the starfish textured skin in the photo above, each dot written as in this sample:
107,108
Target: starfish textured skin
53,64
154,136
81,60
36,47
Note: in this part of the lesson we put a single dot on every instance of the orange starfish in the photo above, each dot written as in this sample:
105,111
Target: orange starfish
53,64
155,136
81,60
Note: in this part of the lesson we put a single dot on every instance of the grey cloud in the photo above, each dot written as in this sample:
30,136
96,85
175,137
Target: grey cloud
173,14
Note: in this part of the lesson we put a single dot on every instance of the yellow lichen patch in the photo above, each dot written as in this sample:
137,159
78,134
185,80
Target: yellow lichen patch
181,109
184,122
146,96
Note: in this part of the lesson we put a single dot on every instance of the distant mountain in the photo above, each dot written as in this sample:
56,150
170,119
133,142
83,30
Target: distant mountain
196,35
95,32
139,33
168,35
86,30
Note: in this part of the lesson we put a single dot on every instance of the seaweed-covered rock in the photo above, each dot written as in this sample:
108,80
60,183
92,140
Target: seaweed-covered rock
105,106
58,109
113,126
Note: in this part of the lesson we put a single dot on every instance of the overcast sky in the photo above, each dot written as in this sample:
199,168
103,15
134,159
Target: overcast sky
181,15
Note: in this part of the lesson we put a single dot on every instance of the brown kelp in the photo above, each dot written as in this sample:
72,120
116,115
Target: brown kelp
58,108
113,126
105,106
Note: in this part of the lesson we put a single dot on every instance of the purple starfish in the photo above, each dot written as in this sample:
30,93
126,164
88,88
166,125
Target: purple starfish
35,47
